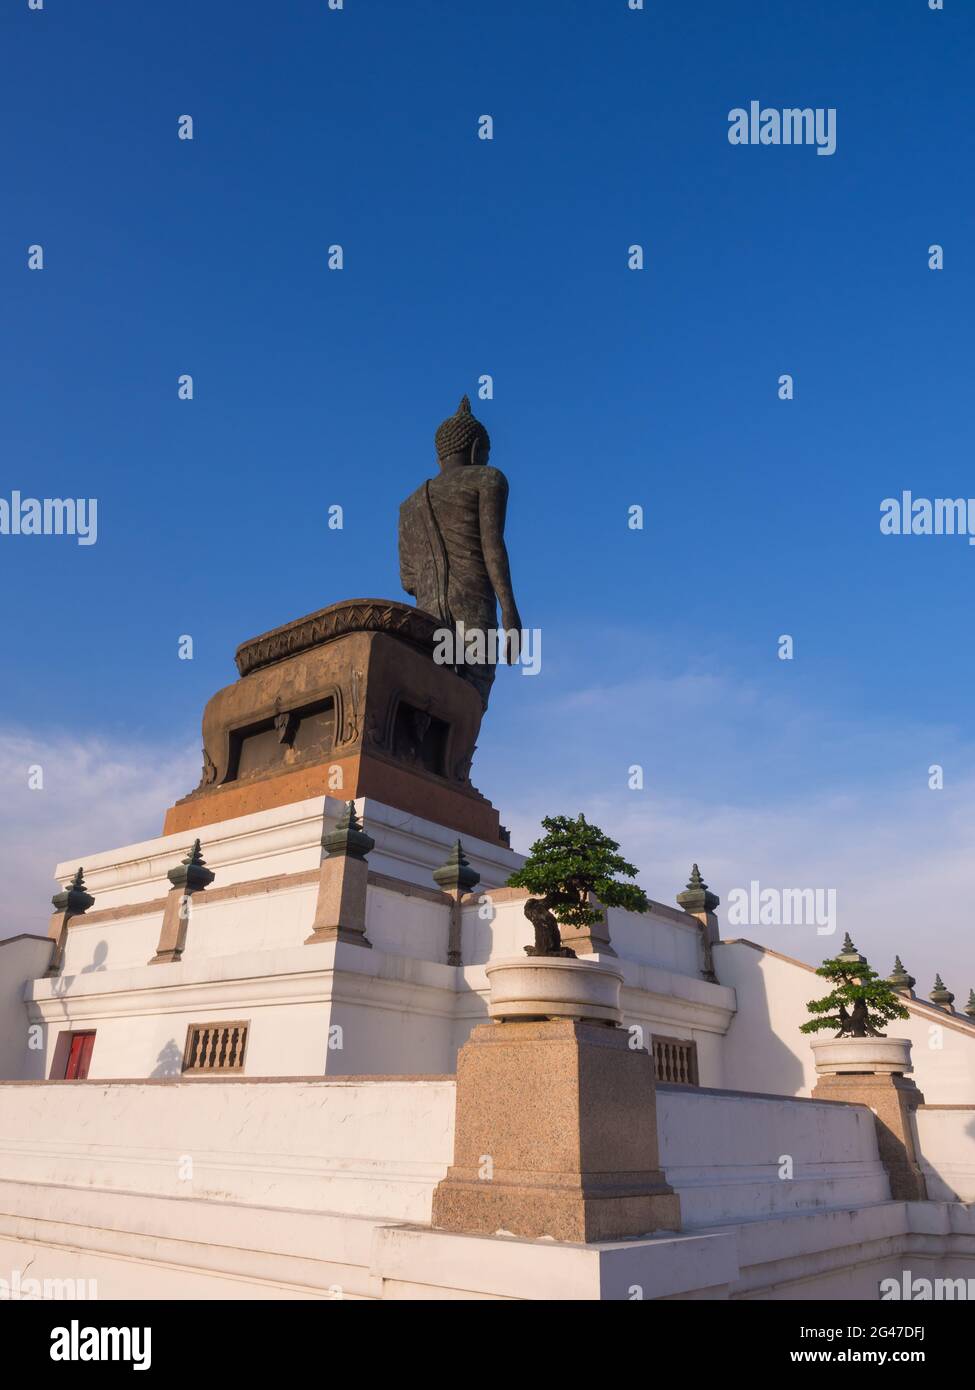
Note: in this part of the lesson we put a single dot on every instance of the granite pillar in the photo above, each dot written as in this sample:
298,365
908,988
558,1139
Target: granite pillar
74,901
189,877
555,1136
893,1098
456,877
340,913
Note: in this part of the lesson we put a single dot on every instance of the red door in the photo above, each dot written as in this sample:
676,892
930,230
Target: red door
79,1056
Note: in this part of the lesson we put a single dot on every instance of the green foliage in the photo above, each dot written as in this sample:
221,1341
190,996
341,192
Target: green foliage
859,1003
572,860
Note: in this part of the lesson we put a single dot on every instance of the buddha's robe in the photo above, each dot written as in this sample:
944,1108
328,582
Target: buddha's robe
449,528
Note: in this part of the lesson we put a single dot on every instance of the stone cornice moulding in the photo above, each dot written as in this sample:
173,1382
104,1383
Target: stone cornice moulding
947,1107
337,620
266,964
387,995
674,1010
298,823
658,979
302,975
315,987
232,845
419,843
234,842
427,987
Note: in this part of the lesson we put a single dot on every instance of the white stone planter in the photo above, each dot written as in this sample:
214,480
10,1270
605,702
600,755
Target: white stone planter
524,987
870,1055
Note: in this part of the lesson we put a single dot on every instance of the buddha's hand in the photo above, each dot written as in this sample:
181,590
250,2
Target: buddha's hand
511,622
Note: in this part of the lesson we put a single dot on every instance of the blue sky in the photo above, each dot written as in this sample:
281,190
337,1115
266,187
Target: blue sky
612,387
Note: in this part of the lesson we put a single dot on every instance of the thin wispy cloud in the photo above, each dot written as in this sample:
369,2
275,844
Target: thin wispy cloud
96,794
727,783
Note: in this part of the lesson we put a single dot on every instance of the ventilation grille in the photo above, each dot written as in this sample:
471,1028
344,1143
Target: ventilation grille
215,1047
675,1060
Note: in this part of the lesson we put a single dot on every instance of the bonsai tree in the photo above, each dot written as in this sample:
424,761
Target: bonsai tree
859,1003
572,860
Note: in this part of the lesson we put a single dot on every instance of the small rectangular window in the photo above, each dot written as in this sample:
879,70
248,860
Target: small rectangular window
215,1047
72,1056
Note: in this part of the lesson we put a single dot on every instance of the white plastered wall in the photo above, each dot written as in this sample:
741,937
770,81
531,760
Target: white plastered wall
765,1051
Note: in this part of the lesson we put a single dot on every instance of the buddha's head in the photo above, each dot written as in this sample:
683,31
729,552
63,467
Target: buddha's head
462,439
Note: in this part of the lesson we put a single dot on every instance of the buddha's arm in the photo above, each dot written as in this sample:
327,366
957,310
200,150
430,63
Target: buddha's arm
407,574
493,502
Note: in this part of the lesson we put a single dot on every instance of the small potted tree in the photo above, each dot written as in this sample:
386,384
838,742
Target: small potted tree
855,1010
573,863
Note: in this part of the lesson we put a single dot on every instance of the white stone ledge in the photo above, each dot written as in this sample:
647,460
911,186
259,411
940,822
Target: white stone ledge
374,1148
143,1247
284,839
292,975
289,1253
413,1262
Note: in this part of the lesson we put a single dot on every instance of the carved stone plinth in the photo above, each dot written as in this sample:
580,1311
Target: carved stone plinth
556,1135
890,1095
698,901
188,877
74,901
340,912
347,702
455,877
172,932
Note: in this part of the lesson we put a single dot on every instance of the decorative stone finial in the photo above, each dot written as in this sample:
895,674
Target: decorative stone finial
348,838
192,873
940,995
75,898
456,872
697,897
849,952
970,1006
899,978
